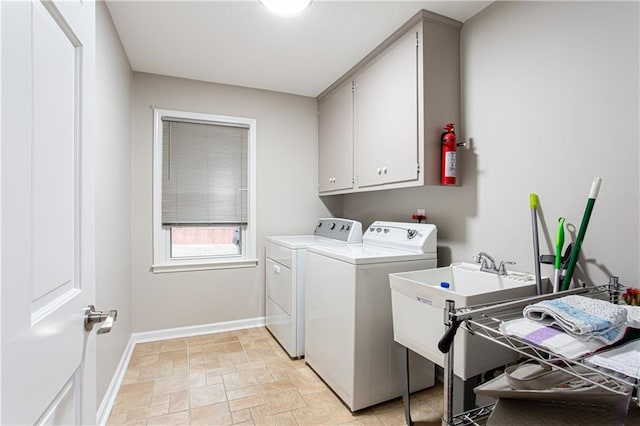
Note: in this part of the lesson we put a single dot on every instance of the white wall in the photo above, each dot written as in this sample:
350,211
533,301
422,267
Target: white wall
113,194
550,100
287,201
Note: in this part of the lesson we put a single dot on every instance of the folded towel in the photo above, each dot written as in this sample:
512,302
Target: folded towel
582,317
550,338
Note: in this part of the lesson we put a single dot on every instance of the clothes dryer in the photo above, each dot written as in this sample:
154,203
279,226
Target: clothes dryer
284,276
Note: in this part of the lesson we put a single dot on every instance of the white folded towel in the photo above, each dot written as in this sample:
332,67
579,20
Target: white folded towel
582,317
550,338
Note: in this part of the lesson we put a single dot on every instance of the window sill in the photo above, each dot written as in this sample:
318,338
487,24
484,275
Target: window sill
204,266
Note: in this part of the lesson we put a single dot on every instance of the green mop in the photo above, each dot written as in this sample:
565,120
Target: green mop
593,194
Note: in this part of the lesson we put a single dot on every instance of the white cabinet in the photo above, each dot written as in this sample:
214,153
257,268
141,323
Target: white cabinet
335,130
386,114
379,125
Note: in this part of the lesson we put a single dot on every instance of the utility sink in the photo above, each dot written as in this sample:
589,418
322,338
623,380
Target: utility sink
418,303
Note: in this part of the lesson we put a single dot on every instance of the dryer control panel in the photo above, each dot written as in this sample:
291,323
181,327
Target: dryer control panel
339,229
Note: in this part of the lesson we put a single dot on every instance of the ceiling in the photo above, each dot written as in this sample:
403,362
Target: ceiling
241,43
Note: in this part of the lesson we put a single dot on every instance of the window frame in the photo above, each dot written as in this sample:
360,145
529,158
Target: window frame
162,261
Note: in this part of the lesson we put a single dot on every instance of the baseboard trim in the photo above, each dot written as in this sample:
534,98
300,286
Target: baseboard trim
196,330
114,386
170,333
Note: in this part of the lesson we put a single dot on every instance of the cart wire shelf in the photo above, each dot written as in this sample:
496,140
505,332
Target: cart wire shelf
485,321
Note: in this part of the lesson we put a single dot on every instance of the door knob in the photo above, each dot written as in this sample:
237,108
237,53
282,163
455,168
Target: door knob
92,317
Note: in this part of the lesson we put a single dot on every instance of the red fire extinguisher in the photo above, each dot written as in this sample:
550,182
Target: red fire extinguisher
449,148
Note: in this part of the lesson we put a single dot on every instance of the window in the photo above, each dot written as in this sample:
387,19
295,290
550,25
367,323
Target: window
203,191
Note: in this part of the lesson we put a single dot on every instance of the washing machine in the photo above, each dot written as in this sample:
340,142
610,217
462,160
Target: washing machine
285,274
349,326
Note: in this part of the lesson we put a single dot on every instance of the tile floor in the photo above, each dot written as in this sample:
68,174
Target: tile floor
242,377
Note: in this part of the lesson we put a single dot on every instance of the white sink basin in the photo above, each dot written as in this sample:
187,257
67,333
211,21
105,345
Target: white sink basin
418,302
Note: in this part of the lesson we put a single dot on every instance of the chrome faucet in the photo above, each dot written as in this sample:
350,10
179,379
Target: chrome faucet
488,264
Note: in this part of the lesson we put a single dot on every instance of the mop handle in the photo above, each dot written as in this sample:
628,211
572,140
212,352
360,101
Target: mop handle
593,194
533,203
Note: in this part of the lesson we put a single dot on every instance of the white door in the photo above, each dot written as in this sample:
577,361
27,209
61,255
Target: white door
47,225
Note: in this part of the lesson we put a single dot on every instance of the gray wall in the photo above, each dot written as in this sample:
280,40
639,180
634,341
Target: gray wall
113,194
550,100
287,201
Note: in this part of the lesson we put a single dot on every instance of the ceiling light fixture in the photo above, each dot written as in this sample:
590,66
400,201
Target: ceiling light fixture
286,7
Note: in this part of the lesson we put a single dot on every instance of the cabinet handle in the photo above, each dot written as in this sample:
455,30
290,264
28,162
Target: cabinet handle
276,269
384,170
379,171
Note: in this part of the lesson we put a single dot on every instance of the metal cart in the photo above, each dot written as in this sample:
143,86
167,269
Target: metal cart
485,321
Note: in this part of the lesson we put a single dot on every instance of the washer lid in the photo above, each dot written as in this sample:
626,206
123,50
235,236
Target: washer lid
365,254
301,241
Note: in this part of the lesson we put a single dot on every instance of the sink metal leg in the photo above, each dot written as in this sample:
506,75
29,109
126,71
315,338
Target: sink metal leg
406,387
447,417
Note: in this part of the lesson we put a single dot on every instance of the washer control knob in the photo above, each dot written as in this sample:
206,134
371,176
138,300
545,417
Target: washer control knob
386,230
333,226
372,229
411,233
378,229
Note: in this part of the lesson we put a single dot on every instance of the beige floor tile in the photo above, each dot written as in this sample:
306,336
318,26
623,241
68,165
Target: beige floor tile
173,344
313,416
278,385
368,420
318,398
179,401
223,347
197,377
261,354
239,380
150,373
311,388
147,413
303,376
136,388
212,338
233,359
248,402
391,417
207,395
241,416
244,392
263,375
285,419
261,415
160,399
214,379
133,397
146,360
171,384
180,418
146,348
287,400
215,414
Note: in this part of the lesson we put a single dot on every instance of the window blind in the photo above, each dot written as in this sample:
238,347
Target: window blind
204,173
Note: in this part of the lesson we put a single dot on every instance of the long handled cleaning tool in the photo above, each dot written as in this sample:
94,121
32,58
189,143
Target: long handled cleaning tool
533,203
593,194
558,261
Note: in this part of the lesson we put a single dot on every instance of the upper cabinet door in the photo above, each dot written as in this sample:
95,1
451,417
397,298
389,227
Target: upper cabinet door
386,114
335,140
